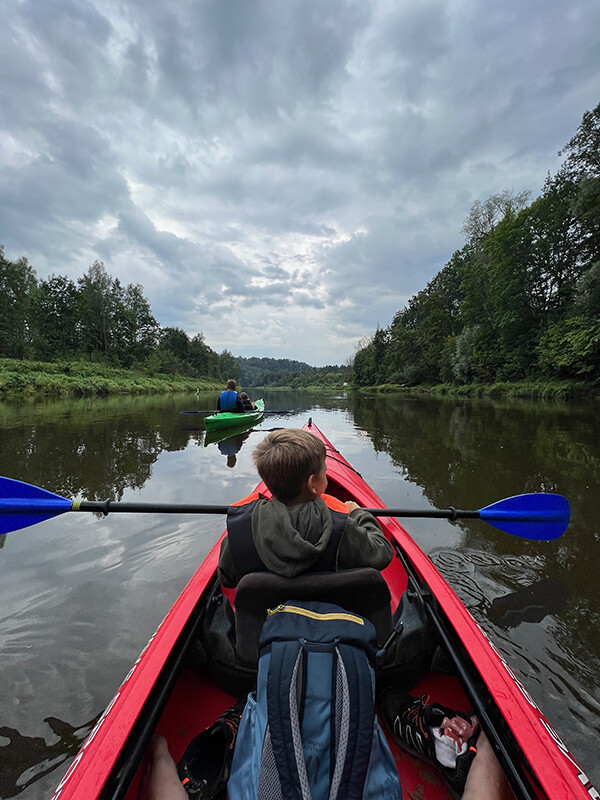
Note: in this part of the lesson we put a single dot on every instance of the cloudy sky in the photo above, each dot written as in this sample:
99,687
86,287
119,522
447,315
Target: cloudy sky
280,175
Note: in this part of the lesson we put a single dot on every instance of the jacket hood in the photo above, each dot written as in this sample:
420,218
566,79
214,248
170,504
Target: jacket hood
291,540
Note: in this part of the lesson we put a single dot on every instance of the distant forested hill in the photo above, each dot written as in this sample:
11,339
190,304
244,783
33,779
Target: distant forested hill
286,372
256,371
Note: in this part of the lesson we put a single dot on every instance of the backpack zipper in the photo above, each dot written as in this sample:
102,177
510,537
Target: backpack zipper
304,612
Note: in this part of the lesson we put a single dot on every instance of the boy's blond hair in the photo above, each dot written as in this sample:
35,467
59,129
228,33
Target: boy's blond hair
285,460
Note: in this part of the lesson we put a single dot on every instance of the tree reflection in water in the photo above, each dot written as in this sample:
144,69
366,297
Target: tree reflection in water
26,759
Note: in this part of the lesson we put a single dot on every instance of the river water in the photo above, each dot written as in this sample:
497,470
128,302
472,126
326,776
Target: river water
80,595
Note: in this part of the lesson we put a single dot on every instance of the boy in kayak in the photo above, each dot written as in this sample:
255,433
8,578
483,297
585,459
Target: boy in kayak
301,529
229,399
246,402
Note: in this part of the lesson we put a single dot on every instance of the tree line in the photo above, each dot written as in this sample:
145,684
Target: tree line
267,372
98,319
520,300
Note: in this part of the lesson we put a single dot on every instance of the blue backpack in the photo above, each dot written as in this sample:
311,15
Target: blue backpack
309,730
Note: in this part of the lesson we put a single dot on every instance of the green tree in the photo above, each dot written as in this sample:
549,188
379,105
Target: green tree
587,292
18,284
228,366
56,318
97,304
484,216
365,367
492,274
203,360
174,350
554,252
462,356
583,149
140,328
571,348
582,168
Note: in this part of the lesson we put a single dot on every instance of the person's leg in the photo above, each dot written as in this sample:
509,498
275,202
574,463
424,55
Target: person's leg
160,781
486,780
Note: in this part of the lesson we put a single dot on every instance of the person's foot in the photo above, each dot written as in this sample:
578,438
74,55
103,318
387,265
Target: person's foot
486,780
160,780
433,732
205,766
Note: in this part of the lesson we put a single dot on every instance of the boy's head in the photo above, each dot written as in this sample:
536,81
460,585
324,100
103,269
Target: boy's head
286,459
244,396
230,385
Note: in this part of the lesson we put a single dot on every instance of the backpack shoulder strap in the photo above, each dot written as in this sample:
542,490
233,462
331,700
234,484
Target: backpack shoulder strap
356,678
284,697
350,719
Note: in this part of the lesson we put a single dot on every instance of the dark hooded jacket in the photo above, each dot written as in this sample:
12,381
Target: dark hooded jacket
292,541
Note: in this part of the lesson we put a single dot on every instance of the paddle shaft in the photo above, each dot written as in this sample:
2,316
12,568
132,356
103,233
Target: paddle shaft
432,513
241,413
113,506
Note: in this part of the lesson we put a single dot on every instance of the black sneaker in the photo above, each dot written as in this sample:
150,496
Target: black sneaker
432,732
205,766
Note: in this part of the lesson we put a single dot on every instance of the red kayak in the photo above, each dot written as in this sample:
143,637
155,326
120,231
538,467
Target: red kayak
163,694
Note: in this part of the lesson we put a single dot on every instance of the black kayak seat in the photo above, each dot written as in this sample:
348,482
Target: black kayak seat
362,591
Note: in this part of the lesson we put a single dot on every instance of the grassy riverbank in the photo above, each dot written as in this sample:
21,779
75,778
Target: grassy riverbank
541,390
86,379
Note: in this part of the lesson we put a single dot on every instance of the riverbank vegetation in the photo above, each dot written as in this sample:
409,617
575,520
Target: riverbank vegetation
534,390
518,304
86,379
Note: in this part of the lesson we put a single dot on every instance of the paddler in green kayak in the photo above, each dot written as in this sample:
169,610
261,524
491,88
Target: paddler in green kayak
229,399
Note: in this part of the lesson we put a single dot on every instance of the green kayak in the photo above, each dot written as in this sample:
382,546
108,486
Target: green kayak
233,419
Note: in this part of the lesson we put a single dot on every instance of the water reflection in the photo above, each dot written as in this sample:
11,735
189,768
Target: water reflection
477,576
91,449
529,603
468,454
229,446
26,759
98,448
540,601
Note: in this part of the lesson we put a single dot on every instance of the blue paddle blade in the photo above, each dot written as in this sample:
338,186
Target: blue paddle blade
540,515
22,504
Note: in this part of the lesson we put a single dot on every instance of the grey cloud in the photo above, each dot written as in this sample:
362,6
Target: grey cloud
304,300
70,181
391,258
70,36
